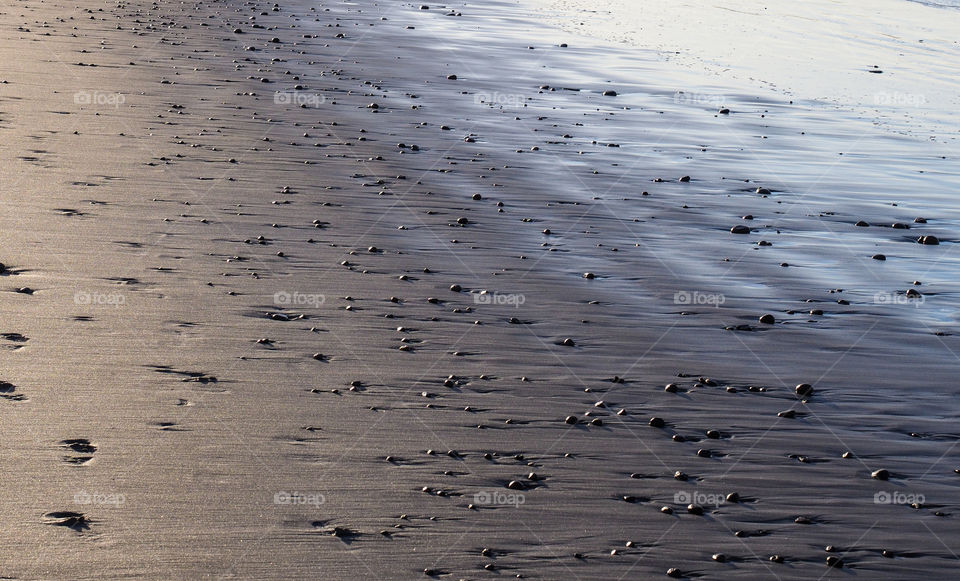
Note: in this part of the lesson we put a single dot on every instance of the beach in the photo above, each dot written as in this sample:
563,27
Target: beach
397,291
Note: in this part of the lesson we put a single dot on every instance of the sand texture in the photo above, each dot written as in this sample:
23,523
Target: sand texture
370,291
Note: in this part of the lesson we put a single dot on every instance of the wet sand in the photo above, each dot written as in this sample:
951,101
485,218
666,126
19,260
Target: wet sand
245,333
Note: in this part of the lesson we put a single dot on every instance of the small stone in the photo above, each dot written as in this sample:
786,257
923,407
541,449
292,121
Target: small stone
719,557
568,342
768,319
776,559
456,288
589,275
674,572
928,240
671,388
694,509
666,510
878,257
571,420
880,474
733,497
516,485
610,93
804,389
740,229
862,224
834,562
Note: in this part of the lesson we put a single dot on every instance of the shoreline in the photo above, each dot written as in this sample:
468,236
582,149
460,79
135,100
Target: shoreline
154,332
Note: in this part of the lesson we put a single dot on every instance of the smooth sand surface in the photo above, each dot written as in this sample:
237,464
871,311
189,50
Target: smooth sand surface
186,399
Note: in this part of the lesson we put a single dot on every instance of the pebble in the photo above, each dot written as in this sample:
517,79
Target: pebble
880,474
657,422
768,319
878,257
674,572
740,229
834,562
928,240
804,389
571,420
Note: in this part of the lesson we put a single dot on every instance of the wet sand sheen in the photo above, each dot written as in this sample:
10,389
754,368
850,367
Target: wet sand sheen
300,293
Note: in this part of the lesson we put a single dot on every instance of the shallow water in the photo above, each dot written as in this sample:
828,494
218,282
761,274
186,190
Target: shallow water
819,49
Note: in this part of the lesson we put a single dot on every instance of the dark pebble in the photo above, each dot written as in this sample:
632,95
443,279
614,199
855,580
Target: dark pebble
835,562
674,572
571,420
657,422
740,229
768,319
804,389
456,288
928,240
880,474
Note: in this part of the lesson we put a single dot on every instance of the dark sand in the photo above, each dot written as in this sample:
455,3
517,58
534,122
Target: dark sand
180,419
